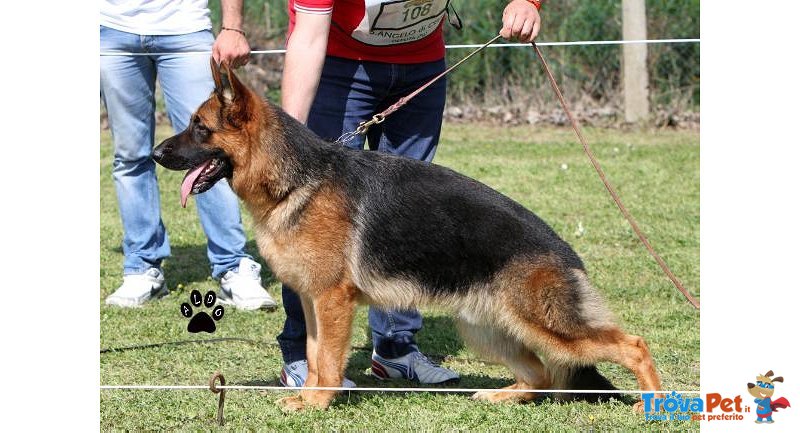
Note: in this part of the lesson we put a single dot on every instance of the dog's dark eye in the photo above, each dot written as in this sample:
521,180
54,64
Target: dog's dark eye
199,126
200,132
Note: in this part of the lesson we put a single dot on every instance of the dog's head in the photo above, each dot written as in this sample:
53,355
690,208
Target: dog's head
217,138
764,386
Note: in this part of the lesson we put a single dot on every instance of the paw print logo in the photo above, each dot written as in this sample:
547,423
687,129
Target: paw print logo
202,322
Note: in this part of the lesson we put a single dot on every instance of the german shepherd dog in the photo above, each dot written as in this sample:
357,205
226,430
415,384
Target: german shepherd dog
343,227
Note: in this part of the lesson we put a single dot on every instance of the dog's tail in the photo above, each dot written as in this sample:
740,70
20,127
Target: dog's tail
581,377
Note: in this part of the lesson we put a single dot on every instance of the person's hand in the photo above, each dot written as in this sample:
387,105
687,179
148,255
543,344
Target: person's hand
521,21
231,48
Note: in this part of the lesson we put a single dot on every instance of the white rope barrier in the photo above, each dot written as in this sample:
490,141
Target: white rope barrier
375,389
574,43
511,45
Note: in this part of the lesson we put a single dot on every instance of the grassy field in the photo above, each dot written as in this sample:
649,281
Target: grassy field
656,173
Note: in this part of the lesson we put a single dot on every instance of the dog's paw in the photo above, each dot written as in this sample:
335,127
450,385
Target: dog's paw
638,407
202,322
482,395
291,404
493,397
317,399
504,397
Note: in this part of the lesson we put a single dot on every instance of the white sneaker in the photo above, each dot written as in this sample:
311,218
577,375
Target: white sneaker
139,288
242,288
413,366
295,374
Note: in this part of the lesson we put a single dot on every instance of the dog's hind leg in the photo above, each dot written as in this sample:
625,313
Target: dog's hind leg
592,346
494,344
629,351
556,311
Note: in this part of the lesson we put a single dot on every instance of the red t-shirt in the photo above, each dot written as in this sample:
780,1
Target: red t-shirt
389,31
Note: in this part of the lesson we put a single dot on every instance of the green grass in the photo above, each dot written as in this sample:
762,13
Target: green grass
656,173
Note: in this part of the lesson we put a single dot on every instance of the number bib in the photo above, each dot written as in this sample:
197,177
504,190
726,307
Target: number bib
399,21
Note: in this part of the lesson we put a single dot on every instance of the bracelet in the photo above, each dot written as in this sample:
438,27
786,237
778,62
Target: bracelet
234,30
536,3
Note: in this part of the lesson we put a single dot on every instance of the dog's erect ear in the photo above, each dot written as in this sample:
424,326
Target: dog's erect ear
769,373
222,87
215,74
238,90
778,379
233,95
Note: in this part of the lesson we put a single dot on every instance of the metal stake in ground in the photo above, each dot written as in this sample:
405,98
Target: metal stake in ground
608,186
213,387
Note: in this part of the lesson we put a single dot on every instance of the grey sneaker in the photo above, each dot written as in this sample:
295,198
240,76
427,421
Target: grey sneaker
139,288
242,288
295,374
413,366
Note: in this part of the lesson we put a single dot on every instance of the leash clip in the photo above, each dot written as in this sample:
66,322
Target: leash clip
364,126
361,129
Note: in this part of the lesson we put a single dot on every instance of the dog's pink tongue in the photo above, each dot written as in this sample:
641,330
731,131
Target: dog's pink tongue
188,181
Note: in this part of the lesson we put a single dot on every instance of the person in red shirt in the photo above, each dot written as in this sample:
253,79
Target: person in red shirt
346,61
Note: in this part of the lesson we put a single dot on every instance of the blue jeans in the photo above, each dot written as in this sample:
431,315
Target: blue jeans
349,93
127,86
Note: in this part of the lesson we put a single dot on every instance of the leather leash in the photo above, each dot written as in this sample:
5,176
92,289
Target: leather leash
622,208
380,117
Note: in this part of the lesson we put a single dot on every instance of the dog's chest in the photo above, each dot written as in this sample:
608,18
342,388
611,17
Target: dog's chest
286,259
303,256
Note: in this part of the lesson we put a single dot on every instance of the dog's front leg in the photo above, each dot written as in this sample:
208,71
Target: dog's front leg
329,321
295,403
334,309
311,341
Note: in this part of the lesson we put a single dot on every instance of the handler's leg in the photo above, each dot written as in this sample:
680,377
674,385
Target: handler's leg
127,86
412,132
187,82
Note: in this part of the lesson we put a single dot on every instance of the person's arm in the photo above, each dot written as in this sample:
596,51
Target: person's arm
521,21
302,68
231,46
